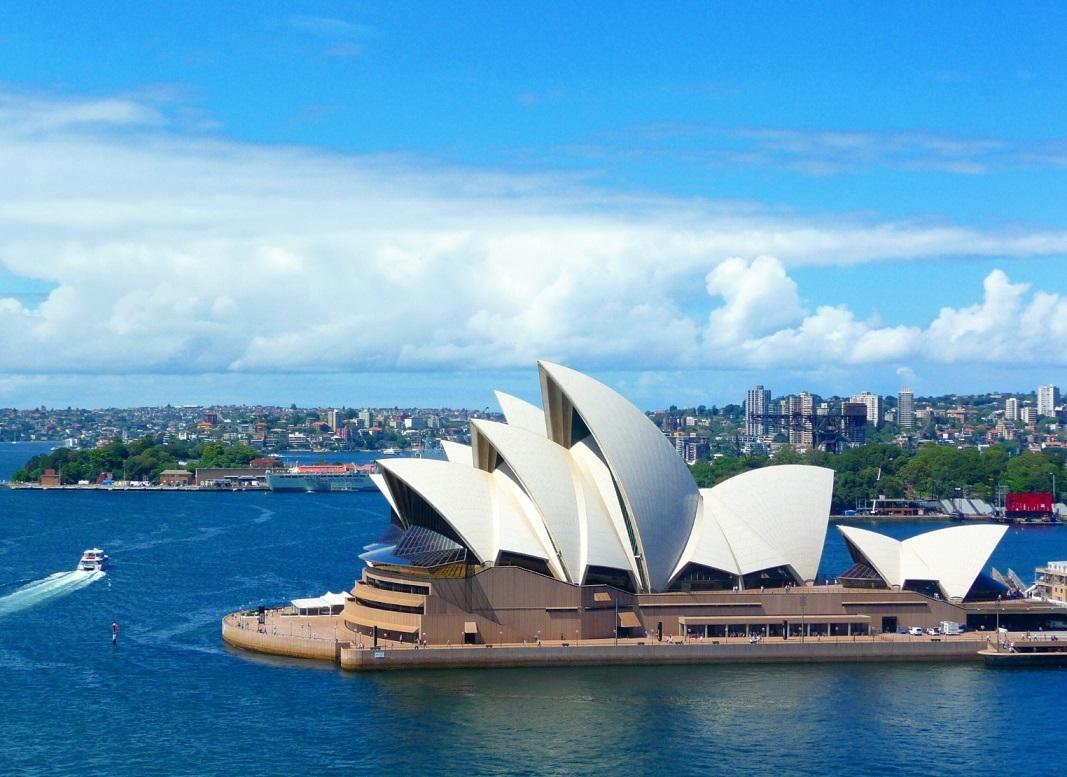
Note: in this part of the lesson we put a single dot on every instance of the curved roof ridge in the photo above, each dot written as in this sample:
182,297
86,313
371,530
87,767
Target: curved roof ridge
542,469
795,527
956,554
459,494
953,556
707,544
751,551
457,452
522,414
881,552
658,492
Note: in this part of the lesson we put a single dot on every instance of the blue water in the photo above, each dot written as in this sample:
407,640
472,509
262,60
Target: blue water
172,699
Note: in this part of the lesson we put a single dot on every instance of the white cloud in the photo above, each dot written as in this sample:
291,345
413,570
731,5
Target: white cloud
1005,327
759,297
172,254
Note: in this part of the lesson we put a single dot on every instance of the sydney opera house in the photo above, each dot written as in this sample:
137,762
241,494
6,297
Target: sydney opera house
577,520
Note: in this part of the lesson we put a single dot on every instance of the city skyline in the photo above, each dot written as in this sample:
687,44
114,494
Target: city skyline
335,204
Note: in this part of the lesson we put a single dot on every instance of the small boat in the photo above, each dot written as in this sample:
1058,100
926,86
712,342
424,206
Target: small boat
93,560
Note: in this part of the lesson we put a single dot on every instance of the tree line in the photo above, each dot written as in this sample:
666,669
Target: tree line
141,459
931,472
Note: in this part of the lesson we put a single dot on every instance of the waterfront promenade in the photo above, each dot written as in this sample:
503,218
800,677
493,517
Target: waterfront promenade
324,637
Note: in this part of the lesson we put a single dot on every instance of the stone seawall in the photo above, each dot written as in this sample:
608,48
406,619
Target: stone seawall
323,649
661,653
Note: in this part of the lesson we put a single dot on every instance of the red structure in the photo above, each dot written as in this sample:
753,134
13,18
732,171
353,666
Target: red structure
1038,503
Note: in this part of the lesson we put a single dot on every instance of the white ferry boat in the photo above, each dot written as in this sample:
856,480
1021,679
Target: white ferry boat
322,478
92,560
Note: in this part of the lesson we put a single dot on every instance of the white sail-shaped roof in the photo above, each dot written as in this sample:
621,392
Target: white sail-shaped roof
707,544
952,557
956,555
521,414
476,510
786,506
751,552
378,479
544,471
658,493
606,543
457,452
592,488
881,552
573,513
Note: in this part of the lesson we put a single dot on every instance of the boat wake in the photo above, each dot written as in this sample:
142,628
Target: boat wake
46,589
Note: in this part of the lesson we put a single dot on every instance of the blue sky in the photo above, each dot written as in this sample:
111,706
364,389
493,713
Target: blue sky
268,201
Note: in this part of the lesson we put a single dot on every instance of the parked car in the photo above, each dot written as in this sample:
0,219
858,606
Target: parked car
916,631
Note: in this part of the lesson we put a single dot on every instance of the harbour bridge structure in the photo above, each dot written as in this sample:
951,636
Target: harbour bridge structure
831,432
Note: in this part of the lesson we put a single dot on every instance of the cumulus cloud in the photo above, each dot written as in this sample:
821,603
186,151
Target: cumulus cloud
170,253
759,297
1006,326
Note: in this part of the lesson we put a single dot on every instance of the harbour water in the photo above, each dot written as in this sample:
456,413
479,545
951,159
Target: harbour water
170,698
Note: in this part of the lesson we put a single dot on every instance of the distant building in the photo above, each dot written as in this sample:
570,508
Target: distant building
1028,415
906,408
176,477
333,419
809,404
50,478
874,404
1047,399
757,402
791,406
230,477
1011,409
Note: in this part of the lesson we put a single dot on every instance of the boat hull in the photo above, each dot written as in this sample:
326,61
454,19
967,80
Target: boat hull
354,481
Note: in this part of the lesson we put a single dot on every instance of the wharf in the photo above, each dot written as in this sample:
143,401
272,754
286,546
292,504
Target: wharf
324,637
1027,649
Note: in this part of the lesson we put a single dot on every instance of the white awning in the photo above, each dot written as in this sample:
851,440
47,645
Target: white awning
327,600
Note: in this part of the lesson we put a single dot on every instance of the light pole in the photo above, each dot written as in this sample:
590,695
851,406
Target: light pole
998,623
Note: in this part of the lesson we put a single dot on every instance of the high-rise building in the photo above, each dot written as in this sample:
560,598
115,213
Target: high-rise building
1028,415
906,408
1047,399
791,406
873,402
757,402
809,405
333,419
1011,409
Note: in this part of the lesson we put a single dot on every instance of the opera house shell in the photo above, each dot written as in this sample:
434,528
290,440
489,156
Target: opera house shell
578,518
947,562
588,490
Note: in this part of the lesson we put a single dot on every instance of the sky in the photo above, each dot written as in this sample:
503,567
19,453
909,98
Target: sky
411,203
